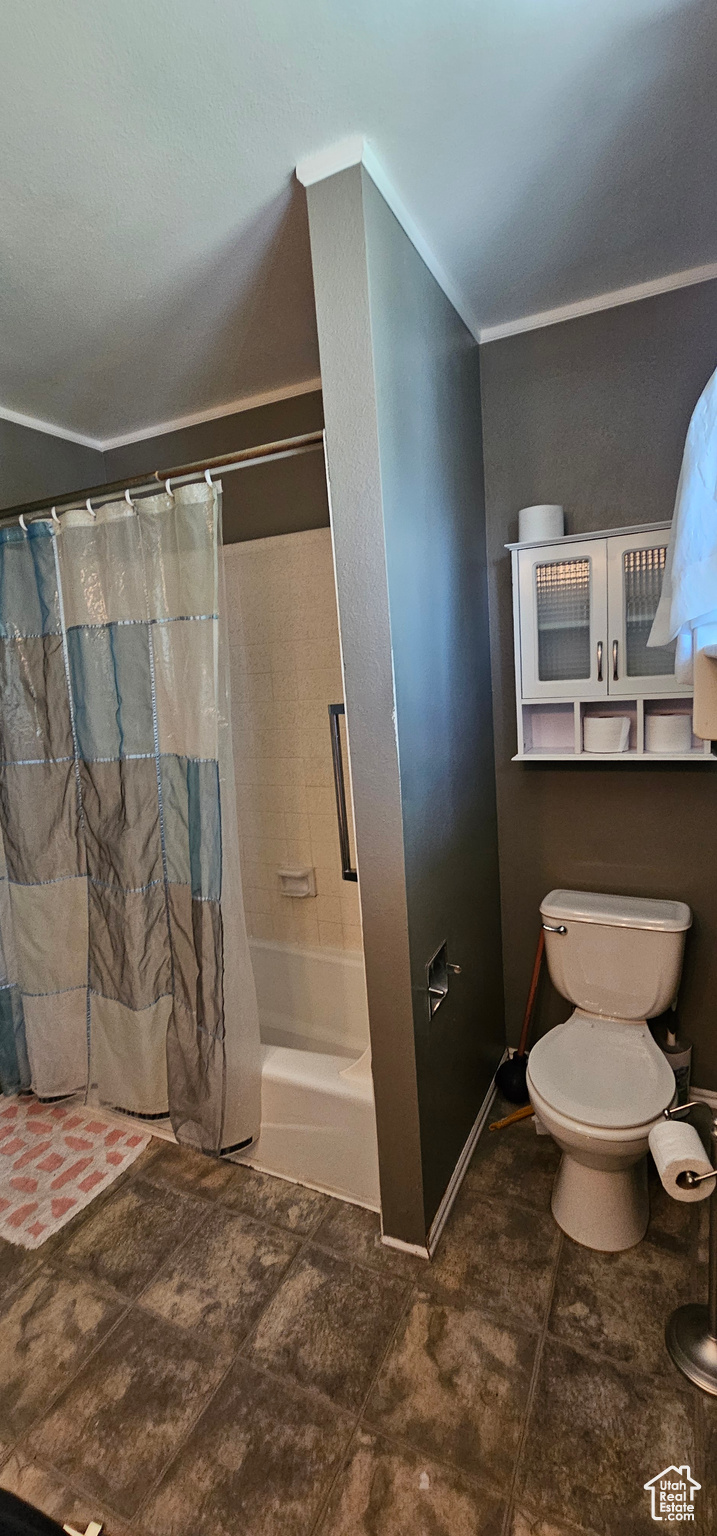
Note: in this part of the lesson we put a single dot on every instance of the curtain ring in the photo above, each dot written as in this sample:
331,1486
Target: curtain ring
129,500
168,489
208,477
55,518
91,509
22,522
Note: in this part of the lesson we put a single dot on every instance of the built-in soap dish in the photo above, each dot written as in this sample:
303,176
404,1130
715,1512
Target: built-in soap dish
297,882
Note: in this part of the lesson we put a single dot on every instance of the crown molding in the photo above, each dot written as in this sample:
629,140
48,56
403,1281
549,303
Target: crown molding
195,419
330,161
358,151
50,428
592,306
214,413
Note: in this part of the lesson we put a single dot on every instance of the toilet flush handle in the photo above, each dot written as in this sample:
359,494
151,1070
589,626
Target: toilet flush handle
554,928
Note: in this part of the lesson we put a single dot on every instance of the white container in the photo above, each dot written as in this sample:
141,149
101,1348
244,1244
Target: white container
606,733
668,733
540,522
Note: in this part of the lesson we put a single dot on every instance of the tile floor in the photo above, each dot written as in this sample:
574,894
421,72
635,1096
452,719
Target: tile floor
206,1351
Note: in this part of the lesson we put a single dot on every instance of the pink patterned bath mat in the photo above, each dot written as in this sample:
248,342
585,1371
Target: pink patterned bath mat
54,1159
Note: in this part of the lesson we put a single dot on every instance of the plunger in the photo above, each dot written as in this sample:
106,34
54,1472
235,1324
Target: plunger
511,1077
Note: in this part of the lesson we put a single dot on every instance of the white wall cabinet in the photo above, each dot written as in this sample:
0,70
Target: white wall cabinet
583,610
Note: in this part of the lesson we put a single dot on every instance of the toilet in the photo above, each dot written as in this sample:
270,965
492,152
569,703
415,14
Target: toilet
599,1081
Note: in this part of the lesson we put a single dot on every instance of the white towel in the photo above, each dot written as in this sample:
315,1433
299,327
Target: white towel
684,667
687,610
689,588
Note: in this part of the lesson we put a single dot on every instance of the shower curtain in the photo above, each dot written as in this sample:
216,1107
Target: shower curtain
126,968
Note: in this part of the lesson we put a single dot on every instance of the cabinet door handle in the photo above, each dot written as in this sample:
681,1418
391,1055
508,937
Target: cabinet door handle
599,661
614,661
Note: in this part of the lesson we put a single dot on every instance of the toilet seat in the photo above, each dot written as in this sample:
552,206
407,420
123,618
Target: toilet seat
601,1073
576,1131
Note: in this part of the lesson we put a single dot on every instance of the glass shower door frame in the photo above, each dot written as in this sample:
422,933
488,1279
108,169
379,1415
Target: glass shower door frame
595,685
620,682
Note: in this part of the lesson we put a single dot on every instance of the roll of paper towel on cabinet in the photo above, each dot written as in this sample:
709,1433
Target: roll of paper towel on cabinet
545,521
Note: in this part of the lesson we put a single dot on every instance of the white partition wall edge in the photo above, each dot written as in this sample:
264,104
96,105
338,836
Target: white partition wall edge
401,396
342,306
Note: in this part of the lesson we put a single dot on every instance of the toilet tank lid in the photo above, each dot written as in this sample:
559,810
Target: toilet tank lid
616,911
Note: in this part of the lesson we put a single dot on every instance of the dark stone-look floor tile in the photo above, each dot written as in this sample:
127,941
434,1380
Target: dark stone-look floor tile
46,1331
672,1223
456,1385
46,1491
499,1255
275,1201
596,1434
16,1266
189,1172
125,1242
523,1524
70,1228
700,1276
390,1490
222,1277
124,1415
328,1326
514,1164
356,1233
618,1303
706,1468
259,1461
703,1230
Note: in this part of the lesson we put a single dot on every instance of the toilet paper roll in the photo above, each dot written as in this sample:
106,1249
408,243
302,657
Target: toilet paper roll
676,1148
545,521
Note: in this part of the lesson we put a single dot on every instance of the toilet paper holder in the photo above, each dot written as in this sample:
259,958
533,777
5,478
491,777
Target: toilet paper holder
689,1180
691,1332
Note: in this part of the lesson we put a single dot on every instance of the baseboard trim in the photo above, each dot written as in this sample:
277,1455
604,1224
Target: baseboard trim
458,1175
396,1242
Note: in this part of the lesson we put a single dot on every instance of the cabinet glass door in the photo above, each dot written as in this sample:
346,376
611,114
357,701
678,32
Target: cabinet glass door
636,567
563,619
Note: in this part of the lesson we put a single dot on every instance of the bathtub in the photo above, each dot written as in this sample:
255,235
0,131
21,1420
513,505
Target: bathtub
318,1123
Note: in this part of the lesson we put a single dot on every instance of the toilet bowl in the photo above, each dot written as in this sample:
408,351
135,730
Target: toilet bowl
599,1082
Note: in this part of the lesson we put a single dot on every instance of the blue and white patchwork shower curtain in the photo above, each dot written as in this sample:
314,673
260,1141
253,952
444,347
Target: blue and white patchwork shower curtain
126,968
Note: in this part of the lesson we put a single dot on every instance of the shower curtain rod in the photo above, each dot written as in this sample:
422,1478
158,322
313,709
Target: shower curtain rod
284,448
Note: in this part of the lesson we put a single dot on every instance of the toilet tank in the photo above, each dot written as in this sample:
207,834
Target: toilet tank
619,956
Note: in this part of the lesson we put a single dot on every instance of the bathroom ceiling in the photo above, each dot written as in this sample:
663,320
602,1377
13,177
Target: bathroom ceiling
154,257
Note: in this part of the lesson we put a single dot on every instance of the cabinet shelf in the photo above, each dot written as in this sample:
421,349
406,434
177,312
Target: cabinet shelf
587,604
552,731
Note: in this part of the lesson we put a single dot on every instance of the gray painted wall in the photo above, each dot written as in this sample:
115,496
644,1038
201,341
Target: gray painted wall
36,464
426,367
401,392
593,413
286,496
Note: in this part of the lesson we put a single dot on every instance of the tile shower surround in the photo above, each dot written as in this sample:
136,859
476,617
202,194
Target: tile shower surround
207,1349
286,670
